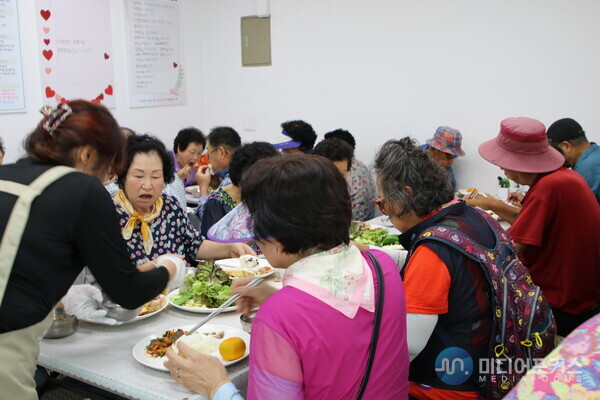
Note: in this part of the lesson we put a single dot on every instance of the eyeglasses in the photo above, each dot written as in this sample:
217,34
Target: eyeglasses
380,203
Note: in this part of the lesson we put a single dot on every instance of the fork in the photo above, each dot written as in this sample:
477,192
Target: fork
254,282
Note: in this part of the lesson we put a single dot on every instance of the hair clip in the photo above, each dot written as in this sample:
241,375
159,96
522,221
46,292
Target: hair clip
55,116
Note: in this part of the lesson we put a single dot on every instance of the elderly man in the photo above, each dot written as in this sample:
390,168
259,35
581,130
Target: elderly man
554,232
222,142
567,136
444,147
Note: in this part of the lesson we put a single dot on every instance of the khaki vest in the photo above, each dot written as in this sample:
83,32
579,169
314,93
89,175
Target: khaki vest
20,349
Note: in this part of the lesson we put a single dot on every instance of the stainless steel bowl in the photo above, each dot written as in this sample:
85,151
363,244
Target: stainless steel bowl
246,321
113,310
62,326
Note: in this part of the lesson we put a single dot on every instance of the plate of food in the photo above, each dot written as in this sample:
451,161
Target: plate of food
245,265
228,344
152,307
375,236
203,290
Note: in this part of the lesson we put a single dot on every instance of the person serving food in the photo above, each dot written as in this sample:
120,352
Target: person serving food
56,217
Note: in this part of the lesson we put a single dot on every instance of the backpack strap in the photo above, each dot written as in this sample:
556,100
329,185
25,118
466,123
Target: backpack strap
9,246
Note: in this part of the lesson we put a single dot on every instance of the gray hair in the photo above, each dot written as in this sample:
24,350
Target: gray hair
410,179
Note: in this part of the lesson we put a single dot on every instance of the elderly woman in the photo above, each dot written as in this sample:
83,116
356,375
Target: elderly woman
444,289
56,217
187,148
311,339
152,223
222,201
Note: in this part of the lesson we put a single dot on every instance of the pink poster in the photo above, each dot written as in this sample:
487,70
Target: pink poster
75,51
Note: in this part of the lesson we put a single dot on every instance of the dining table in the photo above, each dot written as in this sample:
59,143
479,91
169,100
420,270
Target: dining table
101,355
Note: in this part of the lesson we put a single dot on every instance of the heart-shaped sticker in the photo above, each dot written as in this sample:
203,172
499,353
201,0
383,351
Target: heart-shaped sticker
63,100
49,92
106,56
45,14
47,41
109,90
47,54
48,70
174,65
46,30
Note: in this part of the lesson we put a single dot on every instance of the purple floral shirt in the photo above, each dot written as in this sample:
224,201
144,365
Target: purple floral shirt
171,231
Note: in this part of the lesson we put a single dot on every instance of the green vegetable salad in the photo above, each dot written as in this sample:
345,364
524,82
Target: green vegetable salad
208,287
375,237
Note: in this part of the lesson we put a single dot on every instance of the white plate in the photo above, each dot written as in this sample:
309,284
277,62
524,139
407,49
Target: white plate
234,263
196,309
192,189
165,303
140,354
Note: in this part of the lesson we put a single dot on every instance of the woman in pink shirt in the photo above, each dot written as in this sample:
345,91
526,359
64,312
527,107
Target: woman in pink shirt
311,339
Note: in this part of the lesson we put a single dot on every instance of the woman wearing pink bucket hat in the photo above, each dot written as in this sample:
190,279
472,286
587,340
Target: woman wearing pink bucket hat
553,230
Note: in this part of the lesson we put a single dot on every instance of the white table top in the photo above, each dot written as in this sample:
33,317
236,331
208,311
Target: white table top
102,356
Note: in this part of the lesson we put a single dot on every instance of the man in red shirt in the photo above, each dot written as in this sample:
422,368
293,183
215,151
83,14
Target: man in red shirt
555,232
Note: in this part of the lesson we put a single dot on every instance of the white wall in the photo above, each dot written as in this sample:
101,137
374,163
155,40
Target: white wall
389,68
379,68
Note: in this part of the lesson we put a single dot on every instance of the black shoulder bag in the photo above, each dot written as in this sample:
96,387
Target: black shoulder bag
376,324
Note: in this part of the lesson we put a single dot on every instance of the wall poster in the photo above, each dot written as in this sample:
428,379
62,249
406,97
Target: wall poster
154,53
75,51
12,93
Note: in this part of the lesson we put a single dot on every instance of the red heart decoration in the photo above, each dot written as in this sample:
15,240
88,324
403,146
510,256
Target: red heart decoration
49,92
48,70
101,96
174,65
47,41
109,90
106,56
63,100
96,100
45,14
46,30
47,54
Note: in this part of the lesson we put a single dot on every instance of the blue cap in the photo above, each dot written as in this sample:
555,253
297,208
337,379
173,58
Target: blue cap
284,141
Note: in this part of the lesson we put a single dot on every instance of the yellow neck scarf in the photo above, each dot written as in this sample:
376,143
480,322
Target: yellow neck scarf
136,217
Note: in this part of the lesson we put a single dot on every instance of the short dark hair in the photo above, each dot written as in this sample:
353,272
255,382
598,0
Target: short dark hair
410,179
226,137
89,124
342,134
335,150
247,155
302,132
146,144
300,200
186,136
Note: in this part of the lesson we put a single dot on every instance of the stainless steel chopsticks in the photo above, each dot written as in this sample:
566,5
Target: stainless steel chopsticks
254,282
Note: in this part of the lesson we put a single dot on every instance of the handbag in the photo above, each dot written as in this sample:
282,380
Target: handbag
376,324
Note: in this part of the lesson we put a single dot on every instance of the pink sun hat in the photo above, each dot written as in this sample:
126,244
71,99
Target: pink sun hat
522,146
